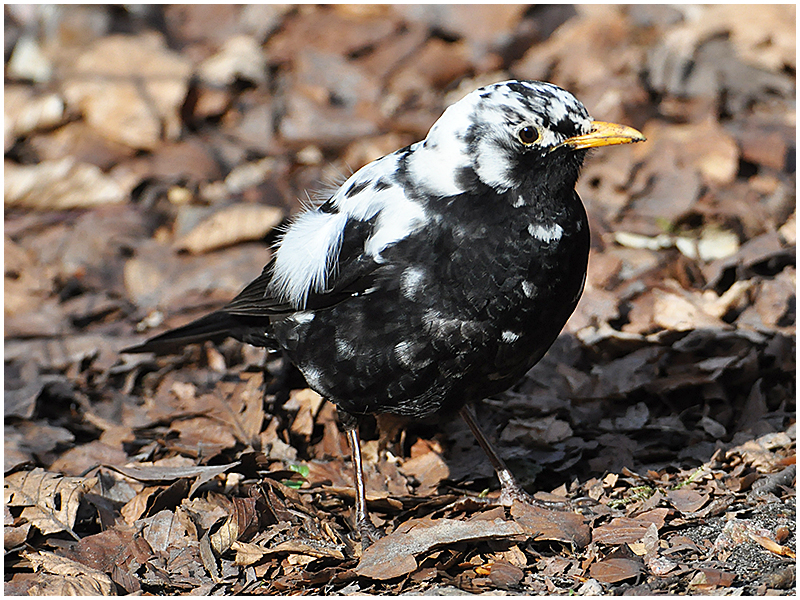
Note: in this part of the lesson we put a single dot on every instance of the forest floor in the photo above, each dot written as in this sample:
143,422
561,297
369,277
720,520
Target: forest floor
150,155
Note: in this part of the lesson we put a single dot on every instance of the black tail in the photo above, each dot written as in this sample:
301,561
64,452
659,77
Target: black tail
214,327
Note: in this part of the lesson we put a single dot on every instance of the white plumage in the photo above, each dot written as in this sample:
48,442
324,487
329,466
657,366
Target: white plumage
471,134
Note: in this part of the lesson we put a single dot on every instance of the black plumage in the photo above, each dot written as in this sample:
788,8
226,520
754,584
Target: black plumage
437,275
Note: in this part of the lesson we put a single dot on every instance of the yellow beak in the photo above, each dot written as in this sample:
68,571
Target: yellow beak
604,134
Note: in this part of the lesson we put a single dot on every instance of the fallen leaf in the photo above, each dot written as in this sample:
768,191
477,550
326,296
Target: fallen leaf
51,501
772,545
393,555
164,474
130,88
543,524
242,520
59,576
707,577
627,530
686,500
229,226
613,570
505,575
59,185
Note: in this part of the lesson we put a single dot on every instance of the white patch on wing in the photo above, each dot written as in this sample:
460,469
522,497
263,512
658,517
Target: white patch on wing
546,234
344,348
403,352
411,282
407,355
301,318
509,337
368,202
305,255
313,377
397,215
436,162
528,289
399,218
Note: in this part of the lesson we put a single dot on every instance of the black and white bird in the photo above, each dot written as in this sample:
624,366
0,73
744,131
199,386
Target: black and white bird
435,276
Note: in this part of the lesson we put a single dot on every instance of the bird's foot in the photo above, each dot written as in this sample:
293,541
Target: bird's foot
369,533
511,491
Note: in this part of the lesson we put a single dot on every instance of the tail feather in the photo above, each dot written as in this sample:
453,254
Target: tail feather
214,327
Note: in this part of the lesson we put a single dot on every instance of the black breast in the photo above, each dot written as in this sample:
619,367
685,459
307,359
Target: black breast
460,310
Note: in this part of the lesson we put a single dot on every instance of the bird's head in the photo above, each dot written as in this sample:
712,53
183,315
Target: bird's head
499,133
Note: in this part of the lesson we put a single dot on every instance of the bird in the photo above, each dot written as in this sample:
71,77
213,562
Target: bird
435,276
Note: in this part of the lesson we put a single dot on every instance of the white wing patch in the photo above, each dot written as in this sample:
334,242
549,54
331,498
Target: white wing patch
546,234
307,251
440,165
399,218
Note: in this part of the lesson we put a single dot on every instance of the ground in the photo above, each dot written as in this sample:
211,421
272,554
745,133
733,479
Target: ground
152,154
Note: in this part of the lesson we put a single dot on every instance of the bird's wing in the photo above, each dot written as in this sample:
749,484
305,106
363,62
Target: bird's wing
352,273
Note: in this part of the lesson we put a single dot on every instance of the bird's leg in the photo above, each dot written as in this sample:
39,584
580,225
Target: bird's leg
369,533
510,489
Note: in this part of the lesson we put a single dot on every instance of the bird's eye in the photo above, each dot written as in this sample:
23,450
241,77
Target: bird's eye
528,135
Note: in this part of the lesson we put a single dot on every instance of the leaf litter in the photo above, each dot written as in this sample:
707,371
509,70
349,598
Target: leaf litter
139,197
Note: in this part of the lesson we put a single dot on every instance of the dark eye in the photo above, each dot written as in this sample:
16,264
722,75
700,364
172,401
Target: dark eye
528,135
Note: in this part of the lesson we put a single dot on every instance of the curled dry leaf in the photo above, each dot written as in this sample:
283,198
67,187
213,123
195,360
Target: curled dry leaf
59,576
711,578
393,555
242,520
687,501
130,88
24,112
238,223
50,501
59,185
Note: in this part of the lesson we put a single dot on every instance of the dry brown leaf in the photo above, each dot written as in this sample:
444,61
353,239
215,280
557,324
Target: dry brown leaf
59,576
505,575
626,530
15,536
683,312
240,57
687,501
242,520
428,469
208,558
51,501
708,577
613,570
164,530
229,226
536,432
136,506
165,474
543,524
59,185
130,88
306,403
246,553
393,555
103,550
772,545
306,548
24,112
